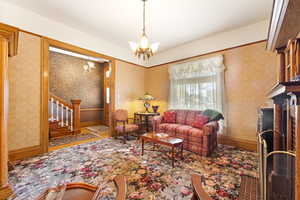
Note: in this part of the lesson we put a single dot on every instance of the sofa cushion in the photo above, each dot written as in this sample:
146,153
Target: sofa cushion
190,117
170,117
182,131
181,116
200,121
163,127
195,135
171,129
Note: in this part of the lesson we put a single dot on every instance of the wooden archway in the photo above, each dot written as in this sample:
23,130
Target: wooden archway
8,47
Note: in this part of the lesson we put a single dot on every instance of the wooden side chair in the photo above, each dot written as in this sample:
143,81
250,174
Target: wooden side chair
120,183
84,191
122,127
198,191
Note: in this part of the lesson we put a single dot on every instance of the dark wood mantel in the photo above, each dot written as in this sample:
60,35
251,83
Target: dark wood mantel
282,90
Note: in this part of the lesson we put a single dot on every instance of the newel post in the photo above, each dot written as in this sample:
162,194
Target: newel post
76,115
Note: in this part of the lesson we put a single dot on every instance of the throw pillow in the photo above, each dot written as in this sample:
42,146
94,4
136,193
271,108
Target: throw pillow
200,121
170,117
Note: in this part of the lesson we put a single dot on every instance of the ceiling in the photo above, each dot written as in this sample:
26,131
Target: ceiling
170,22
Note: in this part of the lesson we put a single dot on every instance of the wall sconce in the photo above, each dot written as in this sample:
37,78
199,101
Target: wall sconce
89,66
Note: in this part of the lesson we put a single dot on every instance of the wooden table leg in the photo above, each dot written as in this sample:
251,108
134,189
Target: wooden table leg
173,156
142,146
182,151
147,123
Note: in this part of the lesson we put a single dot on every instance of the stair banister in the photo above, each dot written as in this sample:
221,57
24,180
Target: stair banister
72,122
76,115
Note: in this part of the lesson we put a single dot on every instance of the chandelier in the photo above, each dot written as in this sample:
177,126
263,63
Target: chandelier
144,48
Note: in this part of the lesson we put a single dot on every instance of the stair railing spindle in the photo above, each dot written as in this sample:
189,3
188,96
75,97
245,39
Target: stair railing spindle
62,114
71,116
52,105
57,114
67,116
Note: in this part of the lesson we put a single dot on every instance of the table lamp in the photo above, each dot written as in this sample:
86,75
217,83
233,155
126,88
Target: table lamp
147,98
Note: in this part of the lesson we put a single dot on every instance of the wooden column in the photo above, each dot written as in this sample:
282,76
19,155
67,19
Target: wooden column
76,115
281,65
106,84
8,47
5,190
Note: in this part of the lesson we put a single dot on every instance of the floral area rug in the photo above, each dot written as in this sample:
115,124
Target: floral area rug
71,138
149,177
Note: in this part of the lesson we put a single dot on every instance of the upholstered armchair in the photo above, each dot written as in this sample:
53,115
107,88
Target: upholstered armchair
122,127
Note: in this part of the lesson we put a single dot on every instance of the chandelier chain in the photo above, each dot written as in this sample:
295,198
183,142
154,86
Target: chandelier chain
144,16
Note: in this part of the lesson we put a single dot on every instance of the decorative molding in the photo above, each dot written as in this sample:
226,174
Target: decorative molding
12,36
26,152
205,54
237,142
91,109
284,23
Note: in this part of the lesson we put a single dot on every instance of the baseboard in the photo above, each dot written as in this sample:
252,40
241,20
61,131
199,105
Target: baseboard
91,123
237,142
60,134
26,152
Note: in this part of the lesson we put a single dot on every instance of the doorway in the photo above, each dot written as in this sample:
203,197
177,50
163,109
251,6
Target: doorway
78,91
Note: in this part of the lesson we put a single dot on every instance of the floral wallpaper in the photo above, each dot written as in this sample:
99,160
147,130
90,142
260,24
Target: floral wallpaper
24,75
69,80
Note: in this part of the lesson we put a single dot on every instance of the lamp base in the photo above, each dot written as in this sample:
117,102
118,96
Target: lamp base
147,106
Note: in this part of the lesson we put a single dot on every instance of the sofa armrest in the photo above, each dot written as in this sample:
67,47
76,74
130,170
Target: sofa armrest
210,128
156,121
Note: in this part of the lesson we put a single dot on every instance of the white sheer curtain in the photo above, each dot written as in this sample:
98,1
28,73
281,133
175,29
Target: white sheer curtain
197,85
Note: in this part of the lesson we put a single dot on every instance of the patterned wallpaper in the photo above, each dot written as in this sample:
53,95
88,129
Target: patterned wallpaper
24,74
68,80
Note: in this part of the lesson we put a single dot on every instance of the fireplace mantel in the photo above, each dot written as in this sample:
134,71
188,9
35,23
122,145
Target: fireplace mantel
283,89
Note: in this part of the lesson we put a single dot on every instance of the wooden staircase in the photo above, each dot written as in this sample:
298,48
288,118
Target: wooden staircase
64,118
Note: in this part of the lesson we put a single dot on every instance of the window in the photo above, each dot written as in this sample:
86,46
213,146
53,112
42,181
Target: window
197,85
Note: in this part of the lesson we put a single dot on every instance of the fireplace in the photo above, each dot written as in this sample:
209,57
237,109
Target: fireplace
276,167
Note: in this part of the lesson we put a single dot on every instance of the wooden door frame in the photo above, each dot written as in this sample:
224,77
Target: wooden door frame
46,43
8,47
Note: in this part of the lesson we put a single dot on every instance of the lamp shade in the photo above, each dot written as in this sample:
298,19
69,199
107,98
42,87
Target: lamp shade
147,97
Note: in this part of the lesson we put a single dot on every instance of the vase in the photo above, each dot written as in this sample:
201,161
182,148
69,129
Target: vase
155,108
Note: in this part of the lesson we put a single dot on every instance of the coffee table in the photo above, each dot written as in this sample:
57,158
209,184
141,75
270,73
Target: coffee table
164,140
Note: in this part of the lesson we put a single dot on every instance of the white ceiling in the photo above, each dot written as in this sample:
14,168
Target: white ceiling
170,22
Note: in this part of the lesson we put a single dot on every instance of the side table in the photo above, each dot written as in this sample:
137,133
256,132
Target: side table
143,118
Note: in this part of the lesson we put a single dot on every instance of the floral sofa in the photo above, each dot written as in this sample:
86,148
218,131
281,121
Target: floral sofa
201,141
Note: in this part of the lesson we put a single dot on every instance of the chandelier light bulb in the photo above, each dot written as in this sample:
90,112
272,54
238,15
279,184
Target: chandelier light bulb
144,43
154,47
133,46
